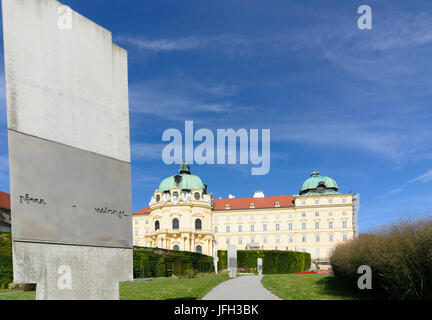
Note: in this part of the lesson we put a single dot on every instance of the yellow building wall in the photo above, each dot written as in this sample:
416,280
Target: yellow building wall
273,228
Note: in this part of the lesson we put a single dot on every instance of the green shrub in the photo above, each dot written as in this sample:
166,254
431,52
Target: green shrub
6,271
274,261
400,256
153,262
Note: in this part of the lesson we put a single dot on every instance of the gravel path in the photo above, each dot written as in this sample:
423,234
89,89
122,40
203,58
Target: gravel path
241,288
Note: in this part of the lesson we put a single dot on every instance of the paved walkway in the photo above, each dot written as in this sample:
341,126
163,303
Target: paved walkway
241,288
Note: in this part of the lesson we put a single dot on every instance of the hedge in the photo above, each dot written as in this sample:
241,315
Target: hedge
6,271
154,262
400,257
274,261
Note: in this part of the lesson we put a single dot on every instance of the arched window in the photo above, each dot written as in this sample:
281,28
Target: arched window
175,224
157,225
176,248
198,224
198,249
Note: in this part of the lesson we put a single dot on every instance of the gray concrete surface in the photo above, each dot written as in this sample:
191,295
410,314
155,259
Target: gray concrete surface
66,272
241,288
69,145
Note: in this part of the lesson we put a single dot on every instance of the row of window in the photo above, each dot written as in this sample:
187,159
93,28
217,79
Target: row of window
290,215
277,227
176,224
329,201
278,240
175,194
198,248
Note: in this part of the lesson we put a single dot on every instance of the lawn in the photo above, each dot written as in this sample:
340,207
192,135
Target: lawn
308,287
155,289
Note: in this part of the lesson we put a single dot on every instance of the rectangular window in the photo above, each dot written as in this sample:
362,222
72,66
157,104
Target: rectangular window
136,232
290,239
216,241
344,200
240,228
252,227
330,237
317,238
331,251
344,237
330,224
316,201
240,241
330,201
303,214
216,229
344,224
277,240
136,221
317,214
227,228
303,238
252,240
303,225
303,203
317,225
330,213
228,241
264,227
277,227
317,251
344,212
265,240
290,226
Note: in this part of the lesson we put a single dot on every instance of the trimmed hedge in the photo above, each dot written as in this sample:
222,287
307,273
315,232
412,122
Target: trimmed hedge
6,271
400,257
154,262
274,261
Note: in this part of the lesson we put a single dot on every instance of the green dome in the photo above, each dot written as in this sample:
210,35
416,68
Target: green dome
319,184
185,180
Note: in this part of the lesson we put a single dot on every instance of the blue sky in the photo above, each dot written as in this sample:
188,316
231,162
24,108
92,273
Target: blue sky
354,104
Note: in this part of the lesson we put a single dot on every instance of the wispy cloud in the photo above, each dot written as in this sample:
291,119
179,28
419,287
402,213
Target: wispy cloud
192,42
181,96
426,177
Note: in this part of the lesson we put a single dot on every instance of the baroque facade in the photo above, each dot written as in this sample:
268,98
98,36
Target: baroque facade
183,216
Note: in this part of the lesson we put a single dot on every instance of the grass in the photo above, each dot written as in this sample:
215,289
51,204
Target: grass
6,294
155,289
309,287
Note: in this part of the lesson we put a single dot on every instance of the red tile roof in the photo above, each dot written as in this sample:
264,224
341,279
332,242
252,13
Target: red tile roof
244,203
4,200
143,211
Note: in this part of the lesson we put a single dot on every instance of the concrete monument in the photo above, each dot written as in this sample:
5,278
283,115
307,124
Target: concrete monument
69,152
215,261
232,261
259,266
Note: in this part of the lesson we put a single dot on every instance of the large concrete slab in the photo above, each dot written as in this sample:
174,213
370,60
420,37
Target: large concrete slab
61,194
68,127
65,85
65,272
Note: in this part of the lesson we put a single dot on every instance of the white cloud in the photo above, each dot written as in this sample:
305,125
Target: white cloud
426,177
182,43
